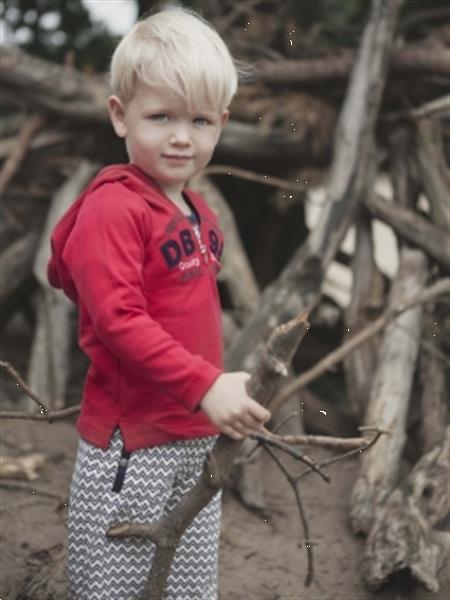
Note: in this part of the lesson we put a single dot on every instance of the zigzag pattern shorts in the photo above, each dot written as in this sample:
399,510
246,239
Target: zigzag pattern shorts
100,568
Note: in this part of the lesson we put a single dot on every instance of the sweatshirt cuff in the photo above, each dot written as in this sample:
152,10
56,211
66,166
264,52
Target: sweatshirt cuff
194,392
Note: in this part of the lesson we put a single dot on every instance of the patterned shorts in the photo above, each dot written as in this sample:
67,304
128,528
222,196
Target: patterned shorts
103,493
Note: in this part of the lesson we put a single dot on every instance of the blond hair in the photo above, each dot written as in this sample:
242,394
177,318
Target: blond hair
175,49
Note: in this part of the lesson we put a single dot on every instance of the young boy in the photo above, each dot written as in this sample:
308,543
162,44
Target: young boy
139,254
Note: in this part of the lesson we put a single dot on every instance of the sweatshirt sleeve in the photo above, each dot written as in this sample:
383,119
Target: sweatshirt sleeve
105,255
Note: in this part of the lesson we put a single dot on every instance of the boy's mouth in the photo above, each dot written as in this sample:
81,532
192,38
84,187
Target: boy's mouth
177,157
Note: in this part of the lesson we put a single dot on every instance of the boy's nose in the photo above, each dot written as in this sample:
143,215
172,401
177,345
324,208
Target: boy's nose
180,137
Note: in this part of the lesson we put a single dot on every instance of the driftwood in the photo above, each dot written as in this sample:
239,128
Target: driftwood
441,287
366,301
25,466
16,262
78,97
434,404
434,240
272,363
49,359
266,140
299,284
28,131
405,533
389,399
390,394
434,171
411,60
54,88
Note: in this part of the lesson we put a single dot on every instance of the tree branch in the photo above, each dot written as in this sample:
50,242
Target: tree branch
334,357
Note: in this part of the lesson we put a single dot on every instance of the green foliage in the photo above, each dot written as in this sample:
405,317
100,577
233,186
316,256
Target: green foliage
55,28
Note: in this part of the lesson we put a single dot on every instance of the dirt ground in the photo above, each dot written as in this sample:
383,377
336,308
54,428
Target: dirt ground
259,560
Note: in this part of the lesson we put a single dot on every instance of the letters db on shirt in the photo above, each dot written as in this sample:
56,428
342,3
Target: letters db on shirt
186,252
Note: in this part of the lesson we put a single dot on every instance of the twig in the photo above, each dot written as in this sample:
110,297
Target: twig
21,383
439,106
271,440
44,414
318,440
284,184
49,417
279,425
334,357
24,487
308,544
29,129
350,453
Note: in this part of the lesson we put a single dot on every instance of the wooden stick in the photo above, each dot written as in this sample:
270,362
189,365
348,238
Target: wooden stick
14,160
271,365
334,357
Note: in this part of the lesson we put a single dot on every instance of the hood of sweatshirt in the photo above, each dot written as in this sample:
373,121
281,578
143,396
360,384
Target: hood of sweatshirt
129,175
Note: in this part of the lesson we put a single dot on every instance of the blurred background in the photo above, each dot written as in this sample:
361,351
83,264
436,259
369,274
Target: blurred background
272,181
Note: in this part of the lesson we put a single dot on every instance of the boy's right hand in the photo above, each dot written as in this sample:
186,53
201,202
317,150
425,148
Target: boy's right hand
231,409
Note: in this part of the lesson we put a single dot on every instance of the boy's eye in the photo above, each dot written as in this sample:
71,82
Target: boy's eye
202,121
160,117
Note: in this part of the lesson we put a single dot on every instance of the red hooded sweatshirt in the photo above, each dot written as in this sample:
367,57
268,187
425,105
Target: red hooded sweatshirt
149,311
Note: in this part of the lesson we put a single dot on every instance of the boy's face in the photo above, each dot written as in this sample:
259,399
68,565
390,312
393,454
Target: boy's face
163,138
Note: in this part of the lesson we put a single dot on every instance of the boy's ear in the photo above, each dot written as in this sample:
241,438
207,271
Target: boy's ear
117,115
225,117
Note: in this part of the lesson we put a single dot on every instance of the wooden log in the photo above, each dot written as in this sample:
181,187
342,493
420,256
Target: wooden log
299,285
434,240
366,302
249,144
23,140
49,358
434,401
230,328
408,60
390,394
404,533
41,141
434,170
54,88
71,94
389,399
50,583
237,273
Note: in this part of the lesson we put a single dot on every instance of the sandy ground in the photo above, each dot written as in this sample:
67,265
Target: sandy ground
259,560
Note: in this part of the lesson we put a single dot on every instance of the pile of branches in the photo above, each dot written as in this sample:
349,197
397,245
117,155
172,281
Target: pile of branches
339,122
